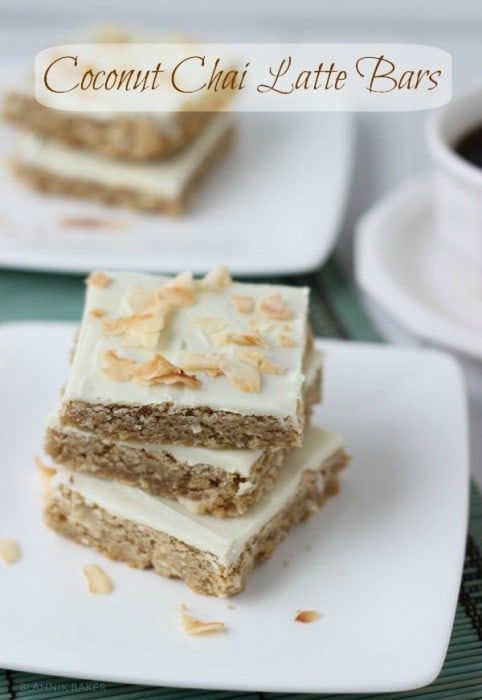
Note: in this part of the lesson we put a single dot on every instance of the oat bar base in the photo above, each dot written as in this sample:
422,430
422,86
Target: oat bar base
67,513
124,137
215,491
198,426
50,183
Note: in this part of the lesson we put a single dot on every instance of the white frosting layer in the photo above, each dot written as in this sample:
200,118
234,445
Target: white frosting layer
224,538
165,179
236,461
279,394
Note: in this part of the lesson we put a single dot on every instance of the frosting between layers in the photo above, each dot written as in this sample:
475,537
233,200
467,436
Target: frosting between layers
234,461
165,179
225,539
279,394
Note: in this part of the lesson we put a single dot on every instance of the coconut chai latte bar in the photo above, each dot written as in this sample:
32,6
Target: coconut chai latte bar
129,135
211,555
207,362
165,186
222,482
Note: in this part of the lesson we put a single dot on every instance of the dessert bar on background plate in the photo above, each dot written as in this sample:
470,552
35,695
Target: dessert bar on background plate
244,217
134,136
378,562
160,187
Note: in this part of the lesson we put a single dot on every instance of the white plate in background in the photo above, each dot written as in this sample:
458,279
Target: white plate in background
383,564
401,264
273,206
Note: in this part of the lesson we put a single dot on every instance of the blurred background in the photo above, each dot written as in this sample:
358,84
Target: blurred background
388,148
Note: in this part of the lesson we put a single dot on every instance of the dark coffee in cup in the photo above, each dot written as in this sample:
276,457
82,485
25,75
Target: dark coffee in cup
469,146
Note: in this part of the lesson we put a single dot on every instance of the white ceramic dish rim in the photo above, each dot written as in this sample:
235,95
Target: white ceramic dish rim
374,278
428,676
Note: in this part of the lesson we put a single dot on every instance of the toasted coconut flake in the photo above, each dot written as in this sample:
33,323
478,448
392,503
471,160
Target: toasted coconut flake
115,326
250,338
203,362
97,313
158,366
210,324
242,376
220,338
159,370
141,300
252,357
98,279
194,626
112,34
216,279
45,474
141,330
307,616
274,307
242,304
119,369
177,296
137,324
285,341
257,359
97,580
89,222
183,280
260,325
9,551
270,367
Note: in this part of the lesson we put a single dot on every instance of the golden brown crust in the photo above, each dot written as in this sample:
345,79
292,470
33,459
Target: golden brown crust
67,513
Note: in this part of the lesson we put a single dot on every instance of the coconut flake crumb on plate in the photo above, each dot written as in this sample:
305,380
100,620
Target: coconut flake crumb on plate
98,581
193,626
379,532
9,551
307,616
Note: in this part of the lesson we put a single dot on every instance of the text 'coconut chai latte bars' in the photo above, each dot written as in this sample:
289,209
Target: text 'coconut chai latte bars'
182,441
150,162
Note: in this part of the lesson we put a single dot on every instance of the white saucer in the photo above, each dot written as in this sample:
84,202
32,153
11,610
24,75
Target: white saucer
273,206
402,266
382,561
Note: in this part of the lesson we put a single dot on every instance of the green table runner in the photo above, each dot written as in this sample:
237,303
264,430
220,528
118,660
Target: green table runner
335,312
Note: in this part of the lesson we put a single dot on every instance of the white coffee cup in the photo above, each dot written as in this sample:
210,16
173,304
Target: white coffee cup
458,183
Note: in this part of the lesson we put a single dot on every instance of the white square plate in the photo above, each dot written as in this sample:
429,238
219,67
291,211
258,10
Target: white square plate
273,206
383,564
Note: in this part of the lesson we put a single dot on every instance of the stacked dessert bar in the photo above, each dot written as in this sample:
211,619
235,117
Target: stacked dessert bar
151,162
182,441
